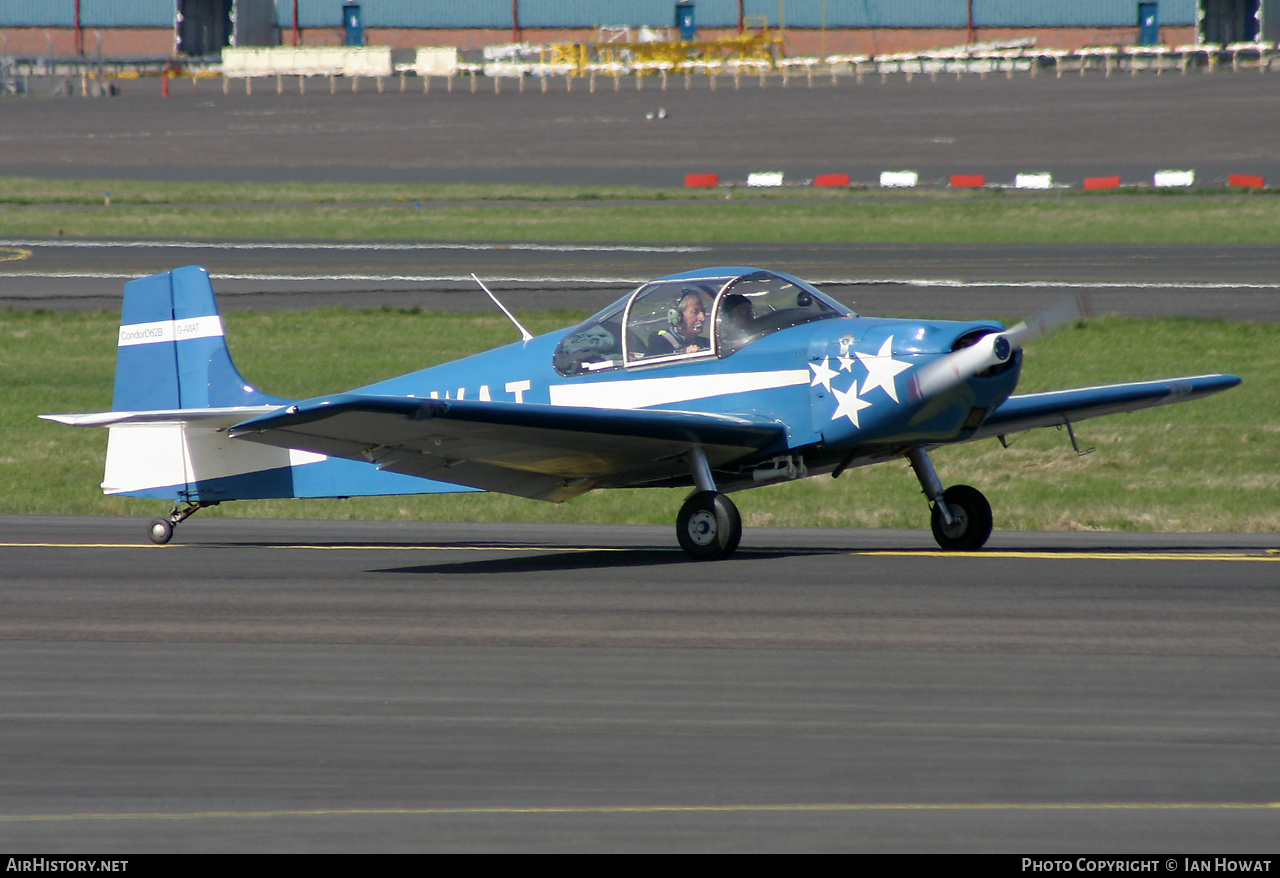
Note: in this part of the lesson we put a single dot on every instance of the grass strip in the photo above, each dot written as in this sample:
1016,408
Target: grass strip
201,211
1205,466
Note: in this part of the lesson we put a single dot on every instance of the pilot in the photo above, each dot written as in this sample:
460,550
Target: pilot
688,319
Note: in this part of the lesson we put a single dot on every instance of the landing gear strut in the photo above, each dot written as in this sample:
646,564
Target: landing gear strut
961,516
708,526
161,530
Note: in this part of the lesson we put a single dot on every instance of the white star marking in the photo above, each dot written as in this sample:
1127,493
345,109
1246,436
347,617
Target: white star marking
846,363
848,404
822,374
882,369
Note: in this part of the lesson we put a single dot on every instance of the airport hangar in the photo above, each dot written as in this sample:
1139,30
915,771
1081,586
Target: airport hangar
201,28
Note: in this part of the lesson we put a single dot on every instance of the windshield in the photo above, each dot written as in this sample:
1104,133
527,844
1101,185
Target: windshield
755,305
677,320
592,345
671,319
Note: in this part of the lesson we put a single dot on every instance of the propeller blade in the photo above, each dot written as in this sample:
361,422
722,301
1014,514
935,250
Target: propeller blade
1059,313
993,349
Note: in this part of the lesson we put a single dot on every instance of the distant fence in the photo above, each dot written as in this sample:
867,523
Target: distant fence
381,62
980,60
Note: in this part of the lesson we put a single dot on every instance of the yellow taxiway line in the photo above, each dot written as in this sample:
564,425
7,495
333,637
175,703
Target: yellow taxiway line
1039,554
828,807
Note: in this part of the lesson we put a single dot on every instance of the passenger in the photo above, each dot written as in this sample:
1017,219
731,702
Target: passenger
737,310
736,317
687,319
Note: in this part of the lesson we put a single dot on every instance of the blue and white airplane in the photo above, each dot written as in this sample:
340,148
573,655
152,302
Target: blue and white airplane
719,379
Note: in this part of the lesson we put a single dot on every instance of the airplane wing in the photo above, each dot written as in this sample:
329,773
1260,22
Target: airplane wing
1059,407
538,451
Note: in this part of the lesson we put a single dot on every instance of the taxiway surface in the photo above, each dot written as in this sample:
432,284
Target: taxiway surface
1073,127
284,685
937,280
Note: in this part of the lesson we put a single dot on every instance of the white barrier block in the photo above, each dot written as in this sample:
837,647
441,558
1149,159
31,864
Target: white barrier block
1033,181
505,68
314,60
1175,178
436,61
765,178
890,179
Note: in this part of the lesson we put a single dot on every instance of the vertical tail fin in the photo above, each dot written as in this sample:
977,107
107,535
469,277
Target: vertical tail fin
172,352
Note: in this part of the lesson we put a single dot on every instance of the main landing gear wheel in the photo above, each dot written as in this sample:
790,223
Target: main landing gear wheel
970,519
708,526
160,532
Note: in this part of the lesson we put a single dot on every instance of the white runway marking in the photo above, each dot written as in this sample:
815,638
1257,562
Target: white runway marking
631,281
1053,284
945,283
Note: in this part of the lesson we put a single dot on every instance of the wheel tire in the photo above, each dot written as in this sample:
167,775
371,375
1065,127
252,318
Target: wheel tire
972,525
160,531
708,526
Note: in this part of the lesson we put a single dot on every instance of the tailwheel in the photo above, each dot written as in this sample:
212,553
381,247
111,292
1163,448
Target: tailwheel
160,531
708,526
970,525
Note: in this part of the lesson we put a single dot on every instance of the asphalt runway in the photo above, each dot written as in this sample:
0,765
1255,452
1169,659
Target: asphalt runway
935,280
1071,126
352,686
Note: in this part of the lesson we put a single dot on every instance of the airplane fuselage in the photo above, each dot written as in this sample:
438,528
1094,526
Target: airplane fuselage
839,386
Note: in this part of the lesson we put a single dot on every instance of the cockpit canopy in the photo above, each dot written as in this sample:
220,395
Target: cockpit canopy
704,314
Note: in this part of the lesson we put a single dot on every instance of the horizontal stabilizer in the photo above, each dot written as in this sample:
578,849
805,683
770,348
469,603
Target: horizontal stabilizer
213,418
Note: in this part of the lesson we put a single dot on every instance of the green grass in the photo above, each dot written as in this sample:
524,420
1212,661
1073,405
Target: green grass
1204,466
38,191
75,209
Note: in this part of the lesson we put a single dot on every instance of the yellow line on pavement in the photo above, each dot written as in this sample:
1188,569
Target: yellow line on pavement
829,807
367,548
1065,555
1075,555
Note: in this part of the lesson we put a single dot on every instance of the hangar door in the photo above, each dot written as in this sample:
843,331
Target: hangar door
1239,21
204,26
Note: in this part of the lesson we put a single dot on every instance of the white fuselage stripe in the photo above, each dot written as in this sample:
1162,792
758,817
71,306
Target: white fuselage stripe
639,393
170,330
